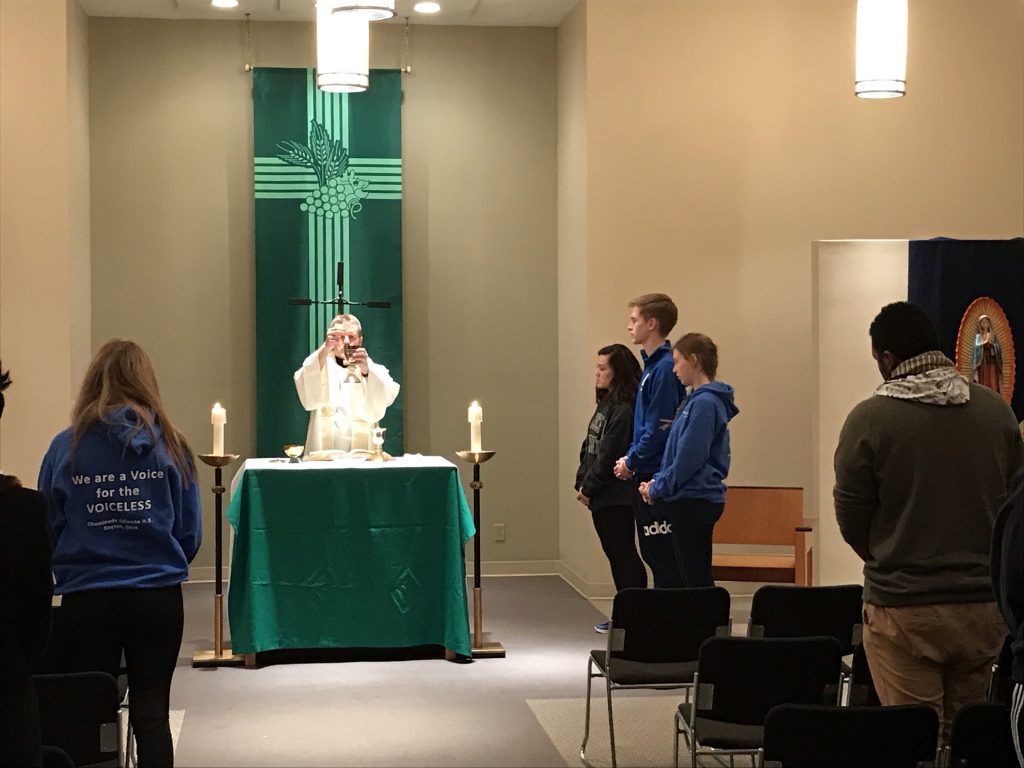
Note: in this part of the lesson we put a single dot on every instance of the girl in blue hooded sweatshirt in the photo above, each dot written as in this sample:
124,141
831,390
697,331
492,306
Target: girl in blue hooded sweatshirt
696,459
123,507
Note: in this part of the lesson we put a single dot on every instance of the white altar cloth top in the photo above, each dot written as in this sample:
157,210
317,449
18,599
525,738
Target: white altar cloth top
413,460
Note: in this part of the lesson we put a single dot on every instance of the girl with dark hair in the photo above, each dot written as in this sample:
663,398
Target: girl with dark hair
26,587
125,516
696,459
617,377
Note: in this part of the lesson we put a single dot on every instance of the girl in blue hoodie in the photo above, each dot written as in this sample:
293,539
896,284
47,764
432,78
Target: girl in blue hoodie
123,507
696,459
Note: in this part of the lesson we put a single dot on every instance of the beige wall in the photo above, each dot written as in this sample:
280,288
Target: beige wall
705,144
173,223
852,280
724,138
44,222
576,537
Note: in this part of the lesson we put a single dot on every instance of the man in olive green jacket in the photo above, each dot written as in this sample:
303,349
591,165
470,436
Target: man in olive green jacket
921,470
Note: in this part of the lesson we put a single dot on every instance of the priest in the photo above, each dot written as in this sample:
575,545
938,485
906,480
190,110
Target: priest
344,390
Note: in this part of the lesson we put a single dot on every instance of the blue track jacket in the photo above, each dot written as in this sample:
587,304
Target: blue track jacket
120,513
656,403
696,460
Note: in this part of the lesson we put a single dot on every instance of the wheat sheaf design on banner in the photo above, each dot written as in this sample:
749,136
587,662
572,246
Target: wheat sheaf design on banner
985,352
339,191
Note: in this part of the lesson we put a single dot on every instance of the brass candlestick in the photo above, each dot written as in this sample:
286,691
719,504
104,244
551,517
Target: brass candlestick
221,655
481,649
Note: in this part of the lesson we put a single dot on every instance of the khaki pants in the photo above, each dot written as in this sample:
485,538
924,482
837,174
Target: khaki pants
939,655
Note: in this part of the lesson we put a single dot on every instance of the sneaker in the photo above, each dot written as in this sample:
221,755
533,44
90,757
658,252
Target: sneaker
602,627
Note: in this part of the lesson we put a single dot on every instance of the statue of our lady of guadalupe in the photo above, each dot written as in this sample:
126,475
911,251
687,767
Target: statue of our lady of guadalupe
987,360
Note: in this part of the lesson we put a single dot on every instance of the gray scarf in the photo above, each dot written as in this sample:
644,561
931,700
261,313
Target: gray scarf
928,378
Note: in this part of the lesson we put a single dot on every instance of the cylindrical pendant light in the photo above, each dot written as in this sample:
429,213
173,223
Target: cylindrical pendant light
881,49
370,10
342,51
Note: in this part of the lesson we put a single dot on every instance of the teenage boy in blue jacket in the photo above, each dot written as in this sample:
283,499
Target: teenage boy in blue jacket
651,319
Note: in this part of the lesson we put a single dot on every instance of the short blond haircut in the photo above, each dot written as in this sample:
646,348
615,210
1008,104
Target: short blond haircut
660,307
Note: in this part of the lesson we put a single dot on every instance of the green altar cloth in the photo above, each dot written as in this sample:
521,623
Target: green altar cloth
349,554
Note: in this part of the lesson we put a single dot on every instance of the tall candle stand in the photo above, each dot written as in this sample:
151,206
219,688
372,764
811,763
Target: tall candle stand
480,649
221,655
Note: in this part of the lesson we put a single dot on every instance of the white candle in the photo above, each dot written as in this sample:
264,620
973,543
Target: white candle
218,417
476,418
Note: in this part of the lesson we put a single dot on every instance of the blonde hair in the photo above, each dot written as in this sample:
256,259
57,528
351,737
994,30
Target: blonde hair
660,307
121,374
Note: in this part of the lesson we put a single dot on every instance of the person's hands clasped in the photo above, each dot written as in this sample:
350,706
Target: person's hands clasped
645,493
621,470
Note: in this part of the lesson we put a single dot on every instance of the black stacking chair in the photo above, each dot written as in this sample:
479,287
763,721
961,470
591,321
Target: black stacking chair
862,686
58,659
79,713
653,640
791,611
739,679
795,611
55,757
981,738
801,736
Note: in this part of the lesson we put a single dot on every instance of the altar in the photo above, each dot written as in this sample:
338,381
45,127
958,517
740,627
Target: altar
348,554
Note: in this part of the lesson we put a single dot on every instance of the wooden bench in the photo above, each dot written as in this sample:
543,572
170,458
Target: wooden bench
764,516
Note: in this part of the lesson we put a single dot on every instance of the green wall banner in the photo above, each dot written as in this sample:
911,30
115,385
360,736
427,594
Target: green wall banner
328,187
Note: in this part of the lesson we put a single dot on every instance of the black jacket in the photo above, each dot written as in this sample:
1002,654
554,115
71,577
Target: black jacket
1008,570
608,438
26,590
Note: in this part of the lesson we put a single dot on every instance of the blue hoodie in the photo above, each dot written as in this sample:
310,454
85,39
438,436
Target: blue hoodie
696,460
656,402
121,515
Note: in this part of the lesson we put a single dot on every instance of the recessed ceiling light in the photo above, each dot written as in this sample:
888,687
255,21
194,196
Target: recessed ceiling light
224,3
427,7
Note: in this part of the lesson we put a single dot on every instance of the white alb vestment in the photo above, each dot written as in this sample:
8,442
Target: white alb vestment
341,415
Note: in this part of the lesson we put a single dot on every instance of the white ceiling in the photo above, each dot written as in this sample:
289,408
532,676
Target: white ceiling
481,13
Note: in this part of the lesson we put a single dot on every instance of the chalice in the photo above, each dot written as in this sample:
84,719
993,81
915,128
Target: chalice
352,375
377,438
293,451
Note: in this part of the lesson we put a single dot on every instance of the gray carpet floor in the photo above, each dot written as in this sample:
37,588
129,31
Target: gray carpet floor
524,710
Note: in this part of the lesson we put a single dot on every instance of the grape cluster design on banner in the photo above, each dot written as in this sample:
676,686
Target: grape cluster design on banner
339,192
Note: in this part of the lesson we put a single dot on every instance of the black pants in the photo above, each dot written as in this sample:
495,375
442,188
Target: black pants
654,531
693,522
147,624
614,526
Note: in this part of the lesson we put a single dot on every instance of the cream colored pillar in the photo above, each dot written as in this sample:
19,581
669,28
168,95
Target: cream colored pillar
853,280
584,566
44,222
